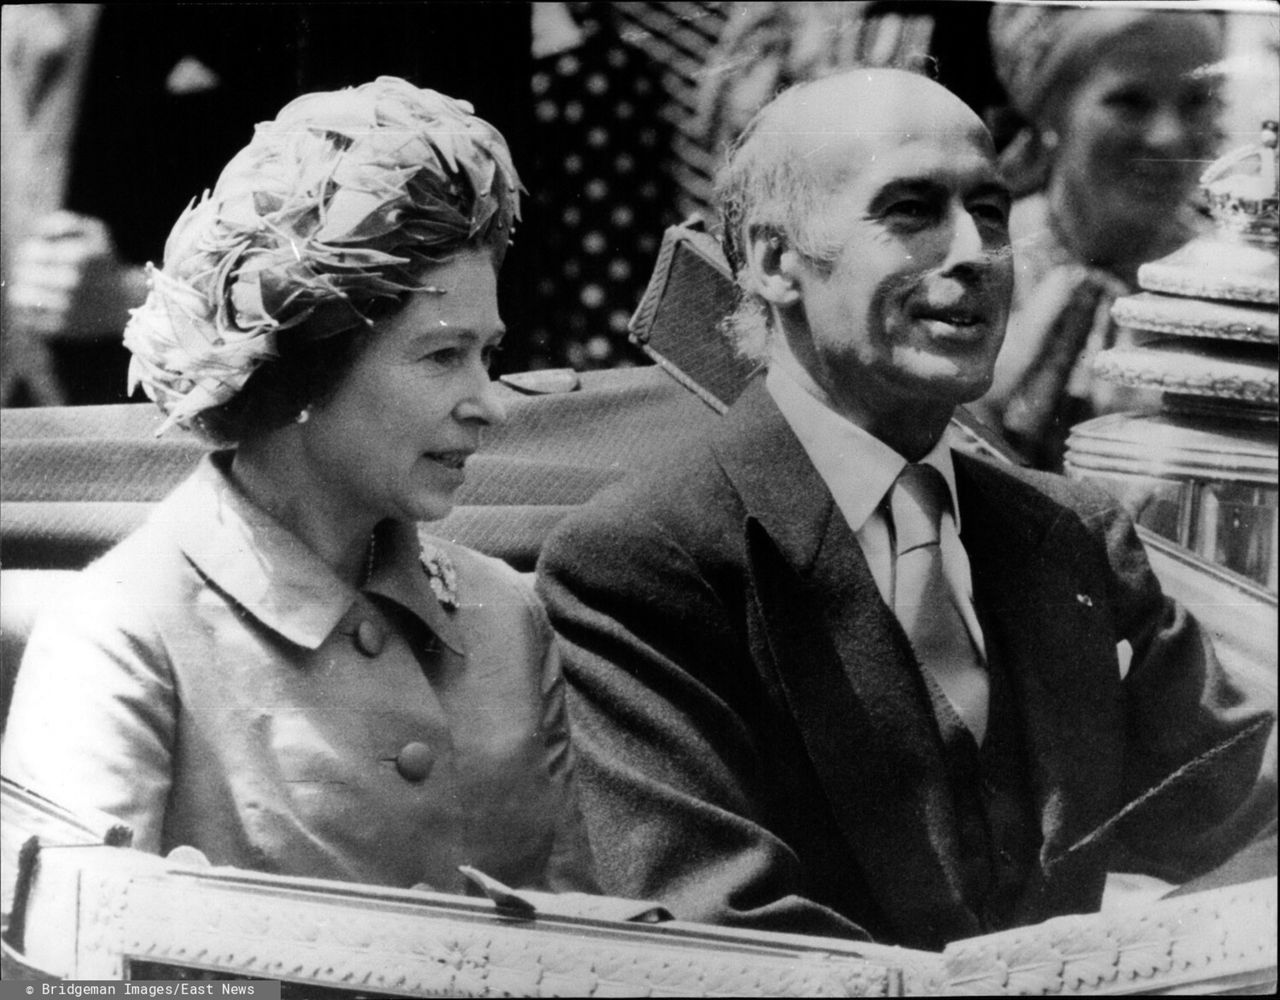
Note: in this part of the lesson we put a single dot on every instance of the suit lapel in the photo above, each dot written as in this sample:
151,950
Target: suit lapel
847,673
850,681
1029,556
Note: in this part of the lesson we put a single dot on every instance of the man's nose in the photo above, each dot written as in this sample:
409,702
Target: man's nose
965,246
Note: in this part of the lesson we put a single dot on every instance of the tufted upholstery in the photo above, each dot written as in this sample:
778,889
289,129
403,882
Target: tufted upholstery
77,479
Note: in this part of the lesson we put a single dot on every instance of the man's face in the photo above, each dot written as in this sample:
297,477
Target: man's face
912,311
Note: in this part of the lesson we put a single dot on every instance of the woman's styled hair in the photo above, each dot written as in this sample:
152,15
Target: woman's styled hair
332,215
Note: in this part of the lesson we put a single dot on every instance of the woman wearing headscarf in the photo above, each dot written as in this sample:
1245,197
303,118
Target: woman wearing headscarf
281,668
1119,114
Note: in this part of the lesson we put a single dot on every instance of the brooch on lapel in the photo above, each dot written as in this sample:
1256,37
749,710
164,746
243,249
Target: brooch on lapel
442,578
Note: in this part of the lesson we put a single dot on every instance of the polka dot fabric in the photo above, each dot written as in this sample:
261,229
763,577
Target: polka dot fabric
600,200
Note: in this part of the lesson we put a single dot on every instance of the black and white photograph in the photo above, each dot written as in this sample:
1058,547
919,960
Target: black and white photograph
607,499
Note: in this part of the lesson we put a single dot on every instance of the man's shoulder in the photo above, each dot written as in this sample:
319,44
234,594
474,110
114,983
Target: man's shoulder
688,510
683,492
1020,492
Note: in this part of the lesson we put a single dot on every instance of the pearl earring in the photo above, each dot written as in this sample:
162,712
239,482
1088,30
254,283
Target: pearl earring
304,415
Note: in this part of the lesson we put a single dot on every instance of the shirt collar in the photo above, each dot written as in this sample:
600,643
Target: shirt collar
857,467
275,576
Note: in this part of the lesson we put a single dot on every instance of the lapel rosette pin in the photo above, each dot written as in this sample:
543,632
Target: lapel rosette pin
442,577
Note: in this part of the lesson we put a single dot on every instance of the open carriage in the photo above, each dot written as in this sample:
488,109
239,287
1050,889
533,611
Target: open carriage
81,904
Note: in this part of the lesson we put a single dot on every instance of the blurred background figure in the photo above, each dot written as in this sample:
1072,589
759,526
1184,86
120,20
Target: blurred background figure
1114,113
601,194
114,115
44,54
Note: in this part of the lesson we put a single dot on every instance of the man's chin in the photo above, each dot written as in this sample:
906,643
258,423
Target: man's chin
965,389
948,378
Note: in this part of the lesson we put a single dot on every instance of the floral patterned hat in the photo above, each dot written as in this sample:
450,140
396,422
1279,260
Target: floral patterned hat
346,197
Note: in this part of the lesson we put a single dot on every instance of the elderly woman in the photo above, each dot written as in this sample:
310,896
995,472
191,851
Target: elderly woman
1119,116
281,668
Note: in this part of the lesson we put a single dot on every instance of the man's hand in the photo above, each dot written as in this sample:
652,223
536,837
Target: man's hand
67,280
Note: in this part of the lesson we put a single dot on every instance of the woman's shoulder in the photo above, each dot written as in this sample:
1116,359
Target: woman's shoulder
139,583
148,559
489,607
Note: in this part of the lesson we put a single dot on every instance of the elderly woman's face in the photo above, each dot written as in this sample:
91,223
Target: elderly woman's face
1138,130
393,439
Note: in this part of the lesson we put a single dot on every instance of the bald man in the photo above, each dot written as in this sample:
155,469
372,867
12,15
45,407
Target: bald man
827,676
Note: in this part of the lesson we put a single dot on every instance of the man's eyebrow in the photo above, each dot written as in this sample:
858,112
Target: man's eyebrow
928,187
901,187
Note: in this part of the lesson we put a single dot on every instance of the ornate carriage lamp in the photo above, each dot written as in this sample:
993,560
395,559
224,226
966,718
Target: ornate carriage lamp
1202,470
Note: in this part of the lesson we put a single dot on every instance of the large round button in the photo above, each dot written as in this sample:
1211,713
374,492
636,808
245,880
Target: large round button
414,761
370,638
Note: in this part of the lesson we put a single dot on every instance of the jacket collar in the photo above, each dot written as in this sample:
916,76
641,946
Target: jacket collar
274,575
768,466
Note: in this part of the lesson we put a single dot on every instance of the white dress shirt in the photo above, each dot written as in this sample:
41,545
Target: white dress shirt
859,470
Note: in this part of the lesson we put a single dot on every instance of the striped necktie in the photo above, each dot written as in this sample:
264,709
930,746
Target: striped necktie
925,602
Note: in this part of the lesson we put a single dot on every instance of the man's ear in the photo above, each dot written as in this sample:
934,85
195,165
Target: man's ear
774,267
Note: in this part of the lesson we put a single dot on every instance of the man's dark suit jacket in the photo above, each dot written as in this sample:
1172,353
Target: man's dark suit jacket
756,744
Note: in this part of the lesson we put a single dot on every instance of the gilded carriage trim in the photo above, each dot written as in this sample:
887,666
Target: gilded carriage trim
1167,946
121,906
99,909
